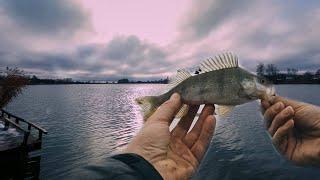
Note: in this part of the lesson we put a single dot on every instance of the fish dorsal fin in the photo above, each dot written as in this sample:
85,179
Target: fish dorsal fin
221,61
224,110
181,75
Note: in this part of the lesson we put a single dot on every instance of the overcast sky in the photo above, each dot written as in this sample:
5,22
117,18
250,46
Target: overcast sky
142,39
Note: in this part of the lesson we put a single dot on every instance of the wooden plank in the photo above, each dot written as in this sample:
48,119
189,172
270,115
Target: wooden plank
23,120
29,141
14,124
38,127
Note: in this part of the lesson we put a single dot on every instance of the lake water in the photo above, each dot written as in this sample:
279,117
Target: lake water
89,122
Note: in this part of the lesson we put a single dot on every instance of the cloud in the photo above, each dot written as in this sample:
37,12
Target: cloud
53,38
44,44
46,16
258,31
208,14
43,26
131,50
123,56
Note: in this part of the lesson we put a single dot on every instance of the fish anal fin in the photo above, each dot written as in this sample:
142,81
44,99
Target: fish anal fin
224,110
183,111
148,105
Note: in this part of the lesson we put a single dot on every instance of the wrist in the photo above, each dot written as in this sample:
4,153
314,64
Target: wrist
140,165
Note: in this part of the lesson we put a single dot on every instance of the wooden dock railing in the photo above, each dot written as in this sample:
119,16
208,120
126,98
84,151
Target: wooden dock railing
16,122
15,159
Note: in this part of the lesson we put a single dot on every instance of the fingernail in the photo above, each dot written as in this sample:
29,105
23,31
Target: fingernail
289,110
289,123
175,96
279,105
271,99
292,122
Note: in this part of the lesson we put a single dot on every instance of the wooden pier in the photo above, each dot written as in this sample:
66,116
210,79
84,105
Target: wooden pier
15,159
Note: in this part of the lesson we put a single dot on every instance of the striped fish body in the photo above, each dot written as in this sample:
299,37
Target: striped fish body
221,87
220,81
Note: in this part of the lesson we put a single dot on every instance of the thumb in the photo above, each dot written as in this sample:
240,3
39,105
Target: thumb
168,109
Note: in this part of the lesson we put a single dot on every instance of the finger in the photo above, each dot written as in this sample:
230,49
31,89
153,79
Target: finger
281,119
167,110
287,102
200,146
264,105
193,135
184,124
280,137
272,112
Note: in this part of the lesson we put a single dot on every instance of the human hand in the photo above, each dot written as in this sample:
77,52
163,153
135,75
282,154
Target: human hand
295,129
175,154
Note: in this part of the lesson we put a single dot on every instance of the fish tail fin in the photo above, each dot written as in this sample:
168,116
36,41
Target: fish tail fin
148,105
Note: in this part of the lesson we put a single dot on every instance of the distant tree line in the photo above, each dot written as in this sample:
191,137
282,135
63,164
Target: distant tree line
34,80
290,76
127,81
270,71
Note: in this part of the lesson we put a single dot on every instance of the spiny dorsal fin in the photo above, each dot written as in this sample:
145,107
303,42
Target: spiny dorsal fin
221,61
181,75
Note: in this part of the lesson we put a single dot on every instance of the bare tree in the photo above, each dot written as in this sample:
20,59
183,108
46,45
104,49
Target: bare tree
260,69
272,70
292,71
11,84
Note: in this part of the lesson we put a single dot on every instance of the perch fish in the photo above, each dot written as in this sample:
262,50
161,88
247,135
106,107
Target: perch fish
218,81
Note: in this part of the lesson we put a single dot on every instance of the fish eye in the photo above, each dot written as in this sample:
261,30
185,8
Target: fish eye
262,81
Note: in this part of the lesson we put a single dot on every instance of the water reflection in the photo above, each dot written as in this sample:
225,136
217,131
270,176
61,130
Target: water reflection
89,122
86,122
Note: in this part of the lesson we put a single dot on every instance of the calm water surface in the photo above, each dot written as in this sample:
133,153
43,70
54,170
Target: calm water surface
89,122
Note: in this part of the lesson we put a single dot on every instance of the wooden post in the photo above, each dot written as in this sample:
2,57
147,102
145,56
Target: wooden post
25,138
17,120
6,125
40,135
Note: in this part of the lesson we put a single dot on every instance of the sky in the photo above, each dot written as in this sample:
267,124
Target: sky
148,39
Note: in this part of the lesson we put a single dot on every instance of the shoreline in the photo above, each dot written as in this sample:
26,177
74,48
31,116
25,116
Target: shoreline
153,83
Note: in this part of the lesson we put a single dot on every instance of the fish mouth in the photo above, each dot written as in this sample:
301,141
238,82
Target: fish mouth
267,92
271,91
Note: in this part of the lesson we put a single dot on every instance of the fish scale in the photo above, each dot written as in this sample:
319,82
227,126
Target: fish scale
219,81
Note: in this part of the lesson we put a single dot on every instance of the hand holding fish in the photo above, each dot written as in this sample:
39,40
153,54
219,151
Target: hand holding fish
175,154
295,129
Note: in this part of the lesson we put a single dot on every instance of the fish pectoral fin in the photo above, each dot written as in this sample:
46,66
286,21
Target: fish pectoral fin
224,110
183,111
